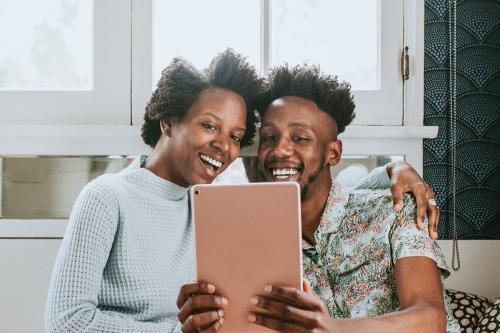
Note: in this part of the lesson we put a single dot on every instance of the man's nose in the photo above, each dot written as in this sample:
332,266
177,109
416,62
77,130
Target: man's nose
283,148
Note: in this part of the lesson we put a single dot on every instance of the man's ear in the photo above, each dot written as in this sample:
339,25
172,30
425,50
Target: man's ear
334,152
166,126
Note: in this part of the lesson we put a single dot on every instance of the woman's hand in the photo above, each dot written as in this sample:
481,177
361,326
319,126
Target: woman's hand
404,179
291,310
200,309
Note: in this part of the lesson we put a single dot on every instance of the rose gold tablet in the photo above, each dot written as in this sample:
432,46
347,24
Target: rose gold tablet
247,236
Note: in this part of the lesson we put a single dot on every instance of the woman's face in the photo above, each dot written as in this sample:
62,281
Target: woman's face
207,139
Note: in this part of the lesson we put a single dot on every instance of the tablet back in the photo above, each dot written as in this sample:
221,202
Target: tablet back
247,236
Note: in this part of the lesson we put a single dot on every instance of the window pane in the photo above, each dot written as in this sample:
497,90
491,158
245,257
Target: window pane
47,187
198,29
341,36
46,45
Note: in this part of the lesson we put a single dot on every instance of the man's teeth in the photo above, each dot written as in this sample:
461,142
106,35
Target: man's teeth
284,172
215,163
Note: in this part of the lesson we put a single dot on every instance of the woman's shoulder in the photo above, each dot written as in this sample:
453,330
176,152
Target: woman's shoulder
104,187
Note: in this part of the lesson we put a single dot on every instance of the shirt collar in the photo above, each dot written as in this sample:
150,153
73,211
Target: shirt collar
331,213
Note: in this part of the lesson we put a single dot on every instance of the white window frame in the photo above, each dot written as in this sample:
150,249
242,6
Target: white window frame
68,140
109,100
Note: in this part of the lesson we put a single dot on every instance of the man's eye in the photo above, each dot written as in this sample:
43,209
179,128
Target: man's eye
208,126
299,138
268,138
236,138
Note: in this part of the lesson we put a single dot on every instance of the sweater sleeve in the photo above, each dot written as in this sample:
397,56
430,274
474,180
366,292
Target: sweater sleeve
377,179
72,303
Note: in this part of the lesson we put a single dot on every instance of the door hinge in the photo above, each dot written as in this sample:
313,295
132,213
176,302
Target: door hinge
405,64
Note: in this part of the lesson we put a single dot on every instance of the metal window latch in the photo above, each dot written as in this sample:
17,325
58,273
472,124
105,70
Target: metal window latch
405,64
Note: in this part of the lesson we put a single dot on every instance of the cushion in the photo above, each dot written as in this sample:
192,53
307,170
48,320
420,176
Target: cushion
490,321
467,308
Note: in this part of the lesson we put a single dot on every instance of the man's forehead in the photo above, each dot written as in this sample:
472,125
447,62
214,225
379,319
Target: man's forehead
297,112
295,102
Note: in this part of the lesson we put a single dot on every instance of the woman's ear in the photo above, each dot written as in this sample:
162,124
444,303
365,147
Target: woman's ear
166,126
334,152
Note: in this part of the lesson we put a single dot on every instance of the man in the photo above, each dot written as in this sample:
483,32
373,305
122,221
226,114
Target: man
364,261
298,142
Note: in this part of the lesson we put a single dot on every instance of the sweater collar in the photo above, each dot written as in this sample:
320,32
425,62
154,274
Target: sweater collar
152,182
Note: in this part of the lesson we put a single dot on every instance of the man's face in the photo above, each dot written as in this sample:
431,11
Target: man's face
297,143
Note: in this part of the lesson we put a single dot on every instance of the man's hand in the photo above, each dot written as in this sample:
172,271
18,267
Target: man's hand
290,310
200,309
404,179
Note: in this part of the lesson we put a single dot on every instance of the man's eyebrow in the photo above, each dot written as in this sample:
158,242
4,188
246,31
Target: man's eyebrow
263,125
300,125
292,125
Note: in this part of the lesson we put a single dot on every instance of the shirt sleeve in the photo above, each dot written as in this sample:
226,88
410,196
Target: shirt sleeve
72,303
408,241
377,179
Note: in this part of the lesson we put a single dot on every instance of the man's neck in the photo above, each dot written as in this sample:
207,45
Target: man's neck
313,205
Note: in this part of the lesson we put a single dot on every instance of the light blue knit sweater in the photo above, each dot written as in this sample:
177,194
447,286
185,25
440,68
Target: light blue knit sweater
127,251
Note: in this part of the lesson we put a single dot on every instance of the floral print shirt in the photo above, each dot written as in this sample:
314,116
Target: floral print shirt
359,240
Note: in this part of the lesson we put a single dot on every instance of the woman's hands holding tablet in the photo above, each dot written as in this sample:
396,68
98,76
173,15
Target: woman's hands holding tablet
200,309
290,310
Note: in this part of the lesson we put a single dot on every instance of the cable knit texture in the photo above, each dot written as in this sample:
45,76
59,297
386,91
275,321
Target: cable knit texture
127,251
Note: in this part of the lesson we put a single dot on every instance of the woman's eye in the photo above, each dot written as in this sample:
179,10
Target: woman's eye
236,138
208,126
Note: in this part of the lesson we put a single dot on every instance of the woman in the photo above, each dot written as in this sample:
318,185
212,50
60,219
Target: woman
128,247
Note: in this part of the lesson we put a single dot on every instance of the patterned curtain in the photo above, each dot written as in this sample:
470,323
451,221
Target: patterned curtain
478,113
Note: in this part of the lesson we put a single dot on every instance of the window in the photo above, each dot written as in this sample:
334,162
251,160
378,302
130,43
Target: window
52,46
118,48
68,62
341,36
360,41
199,34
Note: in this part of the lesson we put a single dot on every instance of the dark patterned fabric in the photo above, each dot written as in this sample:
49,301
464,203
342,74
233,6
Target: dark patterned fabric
490,322
467,309
478,128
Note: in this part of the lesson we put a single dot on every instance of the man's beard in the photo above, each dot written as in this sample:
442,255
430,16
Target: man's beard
305,188
311,179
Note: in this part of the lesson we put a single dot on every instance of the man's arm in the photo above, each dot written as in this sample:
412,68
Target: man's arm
420,296
401,178
419,292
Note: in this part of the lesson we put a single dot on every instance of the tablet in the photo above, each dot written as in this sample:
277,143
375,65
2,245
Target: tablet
247,236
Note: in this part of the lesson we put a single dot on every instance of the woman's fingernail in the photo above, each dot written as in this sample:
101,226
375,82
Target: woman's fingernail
251,317
254,300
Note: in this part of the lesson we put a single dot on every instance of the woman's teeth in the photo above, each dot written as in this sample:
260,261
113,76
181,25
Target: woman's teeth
213,162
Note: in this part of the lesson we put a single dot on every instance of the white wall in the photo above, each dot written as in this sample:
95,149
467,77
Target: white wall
480,267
